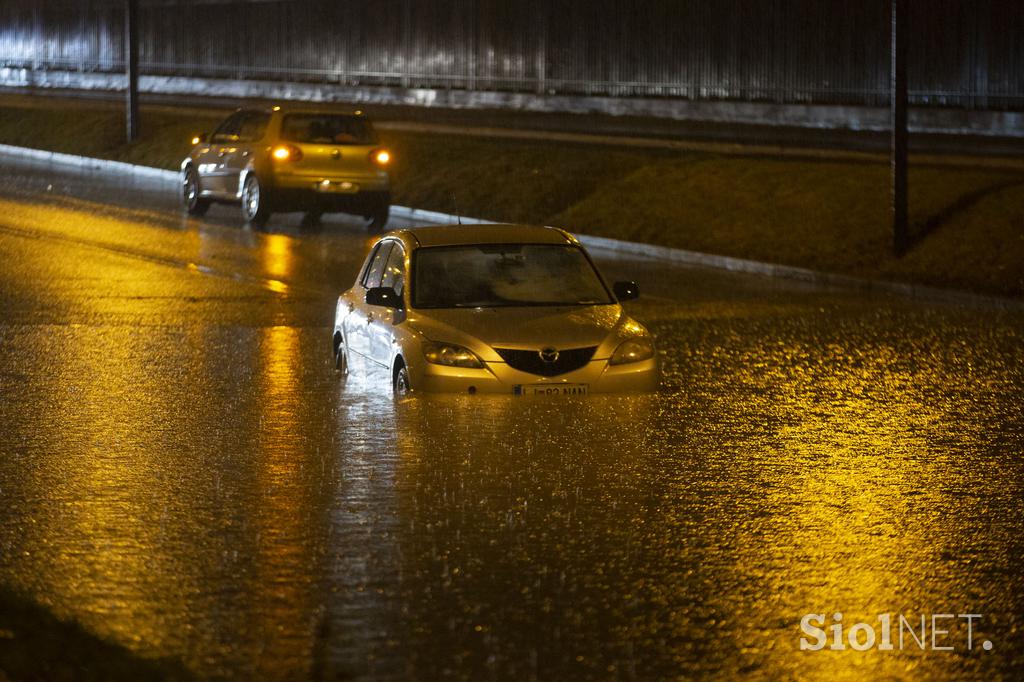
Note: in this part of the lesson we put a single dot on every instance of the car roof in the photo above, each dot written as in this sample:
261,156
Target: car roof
456,235
307,109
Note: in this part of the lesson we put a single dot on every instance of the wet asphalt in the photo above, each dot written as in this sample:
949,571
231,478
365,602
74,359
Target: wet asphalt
183,473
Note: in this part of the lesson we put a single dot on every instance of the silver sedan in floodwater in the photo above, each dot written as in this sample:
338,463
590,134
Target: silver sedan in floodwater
512,309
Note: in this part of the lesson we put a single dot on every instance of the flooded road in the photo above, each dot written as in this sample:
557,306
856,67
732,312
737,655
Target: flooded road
183,473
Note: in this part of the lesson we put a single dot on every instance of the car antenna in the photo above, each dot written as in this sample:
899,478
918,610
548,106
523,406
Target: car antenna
455,204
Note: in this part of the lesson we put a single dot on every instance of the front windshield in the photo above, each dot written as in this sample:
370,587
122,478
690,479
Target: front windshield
491,275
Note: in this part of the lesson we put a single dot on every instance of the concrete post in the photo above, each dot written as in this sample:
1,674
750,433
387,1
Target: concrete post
131,53
898,98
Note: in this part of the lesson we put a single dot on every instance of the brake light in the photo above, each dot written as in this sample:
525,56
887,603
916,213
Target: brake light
286,152
381,157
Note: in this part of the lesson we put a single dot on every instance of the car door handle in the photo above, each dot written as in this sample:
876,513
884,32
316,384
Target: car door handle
221,153
245,153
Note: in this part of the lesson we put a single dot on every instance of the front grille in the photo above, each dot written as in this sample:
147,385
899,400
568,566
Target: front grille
530,360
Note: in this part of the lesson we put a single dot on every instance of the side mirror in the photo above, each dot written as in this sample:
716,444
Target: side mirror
626,291
384,296
200,138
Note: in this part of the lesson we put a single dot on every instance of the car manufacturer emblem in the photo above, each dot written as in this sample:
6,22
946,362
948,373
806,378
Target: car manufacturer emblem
335,154
548,354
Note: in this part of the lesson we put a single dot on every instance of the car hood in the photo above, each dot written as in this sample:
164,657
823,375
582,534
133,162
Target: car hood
526,328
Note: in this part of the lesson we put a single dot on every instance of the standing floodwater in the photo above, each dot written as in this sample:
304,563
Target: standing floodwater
183,473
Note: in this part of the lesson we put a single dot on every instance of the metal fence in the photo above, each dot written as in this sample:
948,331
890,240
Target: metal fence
963,53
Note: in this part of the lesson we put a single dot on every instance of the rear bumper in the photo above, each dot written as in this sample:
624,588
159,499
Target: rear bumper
498,377
363,193
336,184
366,202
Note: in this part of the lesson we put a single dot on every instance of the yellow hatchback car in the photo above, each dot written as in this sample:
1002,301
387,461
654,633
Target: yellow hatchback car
512,309
283,159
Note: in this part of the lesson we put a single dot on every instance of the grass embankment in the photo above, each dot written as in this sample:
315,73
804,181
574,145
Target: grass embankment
967,222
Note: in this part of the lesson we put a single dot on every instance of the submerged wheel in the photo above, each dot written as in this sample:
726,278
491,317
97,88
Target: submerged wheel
255,207
341,358
194,203
402,382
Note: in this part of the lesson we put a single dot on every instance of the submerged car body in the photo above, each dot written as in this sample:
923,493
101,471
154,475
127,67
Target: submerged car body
492,309
290,159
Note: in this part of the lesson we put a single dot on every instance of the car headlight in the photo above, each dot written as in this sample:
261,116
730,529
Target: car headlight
633,350
451,355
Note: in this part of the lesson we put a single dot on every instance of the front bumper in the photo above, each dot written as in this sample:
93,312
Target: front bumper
498,377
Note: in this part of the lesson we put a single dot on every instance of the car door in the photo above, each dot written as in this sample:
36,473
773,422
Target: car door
361,315
212,163
381,327
251,128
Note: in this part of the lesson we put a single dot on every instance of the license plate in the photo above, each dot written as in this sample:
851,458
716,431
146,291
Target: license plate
552,389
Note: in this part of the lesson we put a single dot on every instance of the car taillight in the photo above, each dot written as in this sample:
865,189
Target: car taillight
380,157
286,152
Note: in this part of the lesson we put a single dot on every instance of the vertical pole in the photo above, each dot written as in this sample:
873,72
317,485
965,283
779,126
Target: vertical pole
411,62
131,49
83,10
982,26
37,40
898,96
540,58
474,28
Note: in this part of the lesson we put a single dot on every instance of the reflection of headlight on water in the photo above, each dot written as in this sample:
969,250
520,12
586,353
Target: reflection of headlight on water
633,350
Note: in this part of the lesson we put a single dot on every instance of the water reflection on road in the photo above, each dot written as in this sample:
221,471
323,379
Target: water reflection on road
218,494
184,474
688,531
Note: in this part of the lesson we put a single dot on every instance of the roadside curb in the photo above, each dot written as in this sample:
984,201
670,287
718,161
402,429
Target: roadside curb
90,163
908,290
648,251
415,214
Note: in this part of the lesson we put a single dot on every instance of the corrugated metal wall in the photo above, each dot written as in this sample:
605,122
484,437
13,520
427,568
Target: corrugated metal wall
964,53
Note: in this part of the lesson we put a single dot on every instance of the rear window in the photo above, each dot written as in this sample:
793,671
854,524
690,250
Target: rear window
327,129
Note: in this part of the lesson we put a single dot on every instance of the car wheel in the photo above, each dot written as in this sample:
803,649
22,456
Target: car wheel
378,219
402,382
194,203
255,207
341,358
